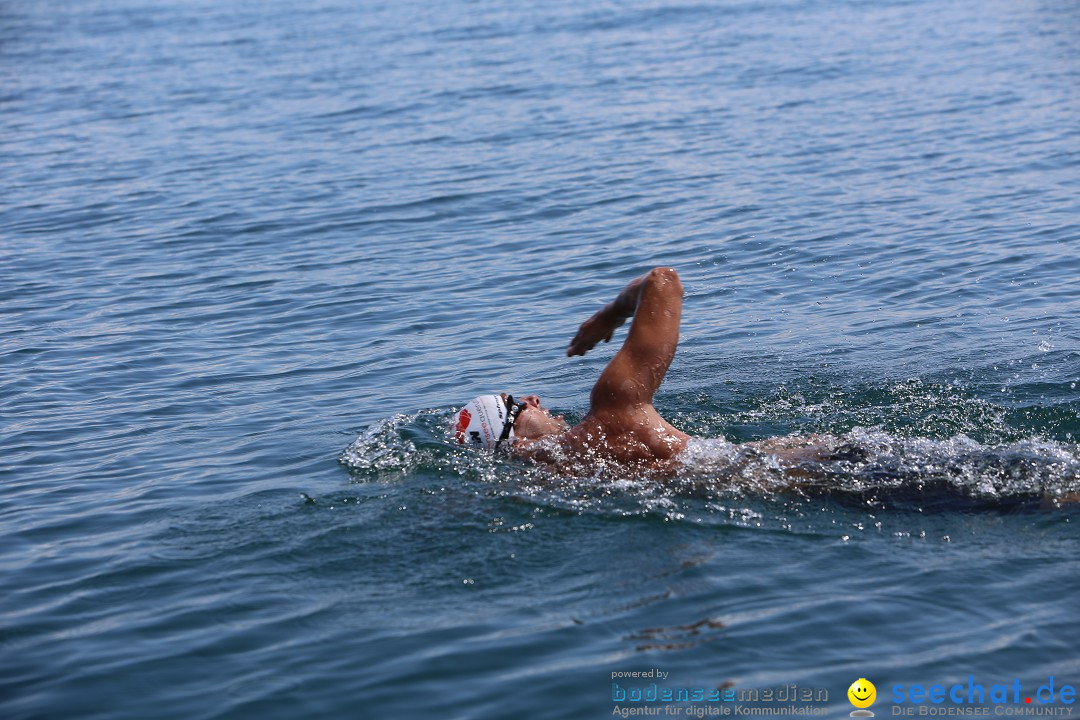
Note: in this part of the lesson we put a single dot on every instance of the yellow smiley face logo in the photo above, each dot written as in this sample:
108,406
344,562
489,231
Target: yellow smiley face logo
862,693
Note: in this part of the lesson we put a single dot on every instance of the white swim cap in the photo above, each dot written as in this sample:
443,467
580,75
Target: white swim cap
486,422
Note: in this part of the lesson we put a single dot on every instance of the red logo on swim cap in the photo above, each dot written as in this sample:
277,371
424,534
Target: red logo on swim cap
463,419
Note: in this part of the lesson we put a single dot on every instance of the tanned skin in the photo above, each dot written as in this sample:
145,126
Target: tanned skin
622,426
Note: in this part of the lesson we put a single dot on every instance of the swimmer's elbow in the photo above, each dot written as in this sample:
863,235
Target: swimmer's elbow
667,278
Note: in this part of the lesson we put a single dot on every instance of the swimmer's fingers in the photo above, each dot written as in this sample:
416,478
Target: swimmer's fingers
580,345
600,326
586,338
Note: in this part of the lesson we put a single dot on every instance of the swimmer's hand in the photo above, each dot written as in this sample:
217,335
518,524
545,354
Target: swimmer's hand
600,326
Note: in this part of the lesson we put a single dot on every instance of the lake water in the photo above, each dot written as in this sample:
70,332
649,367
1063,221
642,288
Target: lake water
254,254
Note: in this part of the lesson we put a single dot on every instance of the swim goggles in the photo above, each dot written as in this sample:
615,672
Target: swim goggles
513,409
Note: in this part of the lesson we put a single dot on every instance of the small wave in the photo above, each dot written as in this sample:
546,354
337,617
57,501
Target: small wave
384,446
417,444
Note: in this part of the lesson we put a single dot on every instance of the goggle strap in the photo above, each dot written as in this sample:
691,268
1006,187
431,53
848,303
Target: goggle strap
512,411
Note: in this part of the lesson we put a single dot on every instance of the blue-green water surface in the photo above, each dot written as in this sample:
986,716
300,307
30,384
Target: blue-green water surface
253,254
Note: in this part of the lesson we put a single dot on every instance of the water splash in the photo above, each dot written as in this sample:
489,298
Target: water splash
890,466
871,467
418,444
383,447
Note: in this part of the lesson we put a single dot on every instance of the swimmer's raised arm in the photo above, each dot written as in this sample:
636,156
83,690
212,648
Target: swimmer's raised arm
633,376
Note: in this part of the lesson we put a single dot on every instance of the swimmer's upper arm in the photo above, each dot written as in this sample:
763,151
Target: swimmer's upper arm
634,375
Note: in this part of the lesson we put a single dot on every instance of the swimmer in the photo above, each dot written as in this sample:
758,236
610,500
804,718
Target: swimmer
622,428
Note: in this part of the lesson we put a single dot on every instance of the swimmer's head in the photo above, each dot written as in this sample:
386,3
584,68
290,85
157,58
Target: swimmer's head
486,422
496,421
